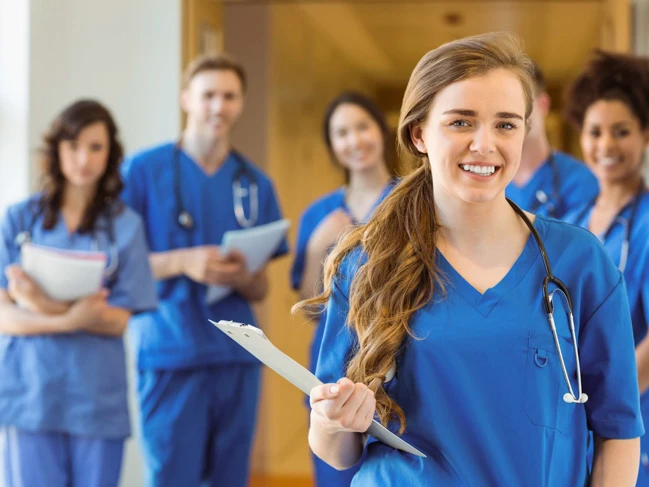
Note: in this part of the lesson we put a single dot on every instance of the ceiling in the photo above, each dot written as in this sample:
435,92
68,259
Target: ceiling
386,38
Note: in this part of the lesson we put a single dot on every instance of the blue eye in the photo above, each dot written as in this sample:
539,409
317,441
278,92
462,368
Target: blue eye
459,123
507,126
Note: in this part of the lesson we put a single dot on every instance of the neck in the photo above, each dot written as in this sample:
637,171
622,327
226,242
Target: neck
76,200
208,152
474,225
370,180
536,151
614,196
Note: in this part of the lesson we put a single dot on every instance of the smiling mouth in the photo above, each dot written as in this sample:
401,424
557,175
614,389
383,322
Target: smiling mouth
608,161
484,171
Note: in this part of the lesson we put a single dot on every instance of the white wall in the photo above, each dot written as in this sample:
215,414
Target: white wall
14,100
125,53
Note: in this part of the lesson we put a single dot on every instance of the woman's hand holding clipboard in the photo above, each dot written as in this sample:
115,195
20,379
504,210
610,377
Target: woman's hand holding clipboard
253,339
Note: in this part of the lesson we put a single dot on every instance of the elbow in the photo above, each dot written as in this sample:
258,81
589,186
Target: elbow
120,328
259,296
117,321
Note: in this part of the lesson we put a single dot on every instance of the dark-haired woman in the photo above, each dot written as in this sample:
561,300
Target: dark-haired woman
609,105
63,393
357,137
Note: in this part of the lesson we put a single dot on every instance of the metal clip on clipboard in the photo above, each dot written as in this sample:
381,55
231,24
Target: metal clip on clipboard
254,341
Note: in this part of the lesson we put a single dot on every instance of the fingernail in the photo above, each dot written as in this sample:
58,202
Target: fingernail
334,389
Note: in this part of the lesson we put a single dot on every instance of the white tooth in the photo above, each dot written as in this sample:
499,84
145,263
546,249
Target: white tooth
472,168
608,161
483,170
466,167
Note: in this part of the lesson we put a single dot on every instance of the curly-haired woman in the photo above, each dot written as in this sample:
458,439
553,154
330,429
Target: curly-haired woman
63,393
609,105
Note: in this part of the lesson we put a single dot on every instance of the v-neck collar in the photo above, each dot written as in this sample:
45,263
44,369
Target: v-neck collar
198,168
485,303
583,218
384,193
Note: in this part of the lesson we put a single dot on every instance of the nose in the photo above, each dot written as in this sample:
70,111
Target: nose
82,157
353,139
606,144
218,103
483,141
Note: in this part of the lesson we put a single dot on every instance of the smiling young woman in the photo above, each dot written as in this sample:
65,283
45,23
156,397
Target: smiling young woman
436,319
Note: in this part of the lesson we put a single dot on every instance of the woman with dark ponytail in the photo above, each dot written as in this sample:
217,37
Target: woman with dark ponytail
358,139
609,105
435,318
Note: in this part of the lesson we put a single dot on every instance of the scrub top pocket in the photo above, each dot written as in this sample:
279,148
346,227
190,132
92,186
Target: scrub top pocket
545,384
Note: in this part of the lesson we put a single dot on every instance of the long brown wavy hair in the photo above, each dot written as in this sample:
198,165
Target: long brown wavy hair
67,126
400,276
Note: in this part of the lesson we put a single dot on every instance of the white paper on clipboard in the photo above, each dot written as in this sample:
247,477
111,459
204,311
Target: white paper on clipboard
253,339
258,244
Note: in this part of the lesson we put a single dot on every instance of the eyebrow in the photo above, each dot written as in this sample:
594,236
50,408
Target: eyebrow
473,113
622,123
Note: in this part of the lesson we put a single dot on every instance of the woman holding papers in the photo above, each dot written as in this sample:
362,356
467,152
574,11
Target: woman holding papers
357,137
609,105
438,309
198,390
63,408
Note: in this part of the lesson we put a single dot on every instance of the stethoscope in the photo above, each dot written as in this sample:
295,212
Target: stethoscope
113,254
548,305
550,203
628,226
185,218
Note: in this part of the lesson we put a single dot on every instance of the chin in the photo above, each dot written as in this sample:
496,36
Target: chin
477,197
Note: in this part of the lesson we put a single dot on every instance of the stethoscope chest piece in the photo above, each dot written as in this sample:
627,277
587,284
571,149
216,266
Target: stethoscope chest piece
185,220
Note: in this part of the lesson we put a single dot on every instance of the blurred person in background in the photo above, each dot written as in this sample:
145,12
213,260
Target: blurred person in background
63,390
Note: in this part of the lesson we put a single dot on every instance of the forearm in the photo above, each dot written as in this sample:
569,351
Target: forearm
340,450
642,360
48,306
166,265
615,462
21,322
255,289
113,323
312,277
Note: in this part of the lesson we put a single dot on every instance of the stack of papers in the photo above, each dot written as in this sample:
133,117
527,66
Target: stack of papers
65,275
257,244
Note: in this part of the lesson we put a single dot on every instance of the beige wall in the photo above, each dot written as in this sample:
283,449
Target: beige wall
296,71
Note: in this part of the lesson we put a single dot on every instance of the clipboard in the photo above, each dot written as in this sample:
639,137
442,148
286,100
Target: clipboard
258,245
254,341
64,275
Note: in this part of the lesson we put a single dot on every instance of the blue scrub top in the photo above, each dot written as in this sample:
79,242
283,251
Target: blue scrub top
482,388
576,186
76,382
636,272
178,334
